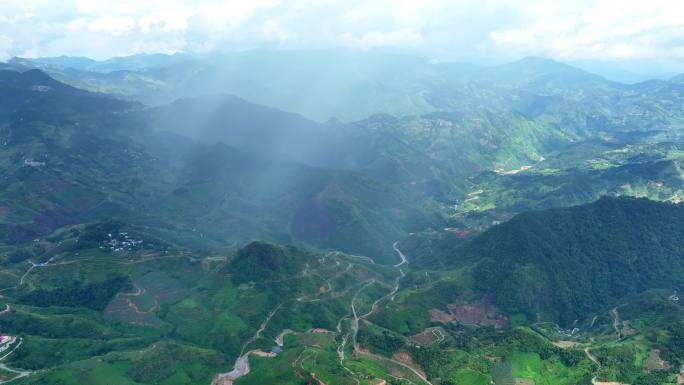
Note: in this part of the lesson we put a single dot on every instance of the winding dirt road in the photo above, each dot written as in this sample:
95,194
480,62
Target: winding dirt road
401,255
241,366
616,322
374,307
20,373
594,360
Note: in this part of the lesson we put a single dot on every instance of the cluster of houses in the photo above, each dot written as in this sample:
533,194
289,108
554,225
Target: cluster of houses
122,242
32,163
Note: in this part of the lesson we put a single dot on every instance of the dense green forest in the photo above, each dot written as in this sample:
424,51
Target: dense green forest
570,262
94,295
260,261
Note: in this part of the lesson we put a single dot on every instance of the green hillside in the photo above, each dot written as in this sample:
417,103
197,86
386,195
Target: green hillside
566,263
365,84
73,163
509,225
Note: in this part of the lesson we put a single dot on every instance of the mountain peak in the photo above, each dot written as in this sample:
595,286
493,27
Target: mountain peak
538,59
37,75
29,77
544,75
543,64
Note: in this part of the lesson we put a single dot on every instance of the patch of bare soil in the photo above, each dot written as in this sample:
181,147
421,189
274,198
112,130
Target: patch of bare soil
222,381
481,313
407,360
425,338
565,344
608,383
655,362
394,371
627,329
680,377
524,381
440,316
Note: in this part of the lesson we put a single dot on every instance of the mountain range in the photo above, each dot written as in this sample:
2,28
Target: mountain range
334,217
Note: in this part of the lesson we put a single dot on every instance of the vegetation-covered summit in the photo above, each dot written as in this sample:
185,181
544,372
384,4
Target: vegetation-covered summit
260,261
568,262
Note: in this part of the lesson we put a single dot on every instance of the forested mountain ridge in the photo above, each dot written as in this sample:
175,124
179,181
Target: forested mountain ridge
214,238
566,263
434,153
367,84
72,156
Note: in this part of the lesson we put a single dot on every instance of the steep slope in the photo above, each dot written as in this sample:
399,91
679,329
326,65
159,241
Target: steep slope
547,77
72,156
579,174
34,96
433,153
67,154
122,260
317,84
266,132
123,63
322,85
230,195
160,314
127,82
564,263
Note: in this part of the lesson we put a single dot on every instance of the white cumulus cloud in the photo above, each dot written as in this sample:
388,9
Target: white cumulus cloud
445,29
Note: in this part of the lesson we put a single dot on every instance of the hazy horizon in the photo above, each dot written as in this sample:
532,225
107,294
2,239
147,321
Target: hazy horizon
637,38
621,72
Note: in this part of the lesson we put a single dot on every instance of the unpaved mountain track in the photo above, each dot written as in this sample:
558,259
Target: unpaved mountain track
401,255
20,373
241,366
595,361
23,277
374,307
355,317
262,327
616,322
593,321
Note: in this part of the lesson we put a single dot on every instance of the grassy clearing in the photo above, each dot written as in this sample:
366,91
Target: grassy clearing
471,377
545,372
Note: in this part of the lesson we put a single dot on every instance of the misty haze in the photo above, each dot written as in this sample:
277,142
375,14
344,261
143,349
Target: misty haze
341,192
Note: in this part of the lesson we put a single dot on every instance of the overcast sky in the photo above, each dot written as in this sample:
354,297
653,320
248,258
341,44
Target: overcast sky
651,30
